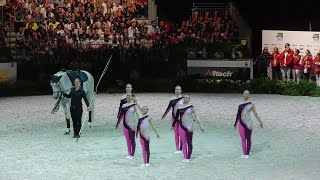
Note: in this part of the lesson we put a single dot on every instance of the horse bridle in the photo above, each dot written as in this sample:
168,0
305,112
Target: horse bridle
60,90
57,105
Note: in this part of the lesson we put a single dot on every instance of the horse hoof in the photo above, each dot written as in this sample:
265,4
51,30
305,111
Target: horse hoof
66,133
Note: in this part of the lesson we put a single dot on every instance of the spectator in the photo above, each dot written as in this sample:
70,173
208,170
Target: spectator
234,54
275,63
207,18
262,62
156,35
296,65
69,39
195,18
29,31
54,23
152,28
174,38
84,42
162,27
137,41
306,65
20,37
41,31
204,53
286,59
95,42
147,42
132,28
117,7
101,23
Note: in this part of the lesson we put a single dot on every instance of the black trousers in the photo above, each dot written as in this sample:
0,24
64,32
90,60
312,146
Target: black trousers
306,76
276,73
76,115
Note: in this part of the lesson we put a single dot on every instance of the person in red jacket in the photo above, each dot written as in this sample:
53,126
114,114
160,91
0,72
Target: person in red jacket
316,65
286,59
275,64
306,65
296,66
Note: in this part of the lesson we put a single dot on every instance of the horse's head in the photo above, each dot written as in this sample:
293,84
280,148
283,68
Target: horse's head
56,85
60,83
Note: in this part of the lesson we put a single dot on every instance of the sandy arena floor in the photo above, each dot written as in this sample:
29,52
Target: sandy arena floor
32,144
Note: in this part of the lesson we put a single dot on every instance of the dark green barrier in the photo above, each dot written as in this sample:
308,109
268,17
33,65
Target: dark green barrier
149,84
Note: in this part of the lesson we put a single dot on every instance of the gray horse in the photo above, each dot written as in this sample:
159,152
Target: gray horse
62,82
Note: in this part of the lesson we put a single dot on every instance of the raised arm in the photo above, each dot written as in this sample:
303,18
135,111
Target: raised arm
154,127
256,115
196,119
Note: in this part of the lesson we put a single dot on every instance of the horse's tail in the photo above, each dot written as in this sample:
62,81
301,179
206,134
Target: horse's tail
90,93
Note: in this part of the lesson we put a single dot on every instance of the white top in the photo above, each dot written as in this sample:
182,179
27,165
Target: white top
285,57
130,116
116,9
245,116
130,31
145,128
180,102
187,117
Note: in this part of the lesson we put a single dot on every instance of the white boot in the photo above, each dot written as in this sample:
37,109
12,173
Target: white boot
67,131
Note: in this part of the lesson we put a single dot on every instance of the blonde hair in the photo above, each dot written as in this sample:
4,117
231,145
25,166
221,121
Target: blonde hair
246,93
129,85
186,95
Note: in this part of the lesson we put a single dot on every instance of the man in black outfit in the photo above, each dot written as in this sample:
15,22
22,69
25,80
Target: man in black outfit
76,110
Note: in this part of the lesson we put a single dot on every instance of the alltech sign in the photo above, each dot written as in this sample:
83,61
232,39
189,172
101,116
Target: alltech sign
229,69
215,73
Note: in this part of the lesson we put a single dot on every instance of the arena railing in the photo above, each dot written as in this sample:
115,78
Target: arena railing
53,54
63,54
202,8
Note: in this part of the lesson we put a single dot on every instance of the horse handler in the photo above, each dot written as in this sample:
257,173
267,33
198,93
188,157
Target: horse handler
76,110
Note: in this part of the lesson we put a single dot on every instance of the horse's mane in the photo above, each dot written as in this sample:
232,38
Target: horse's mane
59,73
56,77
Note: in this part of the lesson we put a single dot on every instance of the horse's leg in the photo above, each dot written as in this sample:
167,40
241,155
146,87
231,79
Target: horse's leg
91,109
90,118
89,89
65,104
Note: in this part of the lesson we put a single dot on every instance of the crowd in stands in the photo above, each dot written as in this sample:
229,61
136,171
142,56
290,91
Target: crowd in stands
95,24
210,28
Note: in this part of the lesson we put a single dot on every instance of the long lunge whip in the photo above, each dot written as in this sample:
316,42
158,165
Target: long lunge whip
103,73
